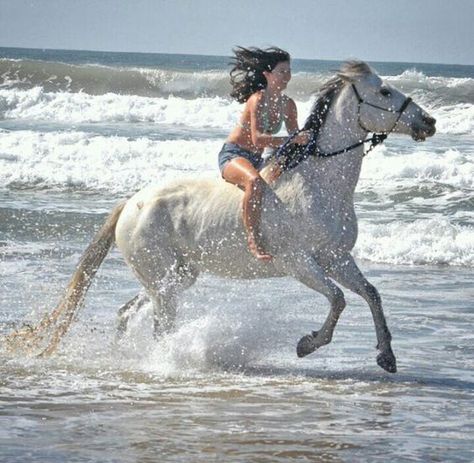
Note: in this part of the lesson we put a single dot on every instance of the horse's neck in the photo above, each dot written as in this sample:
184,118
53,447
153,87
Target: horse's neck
340,130
329,182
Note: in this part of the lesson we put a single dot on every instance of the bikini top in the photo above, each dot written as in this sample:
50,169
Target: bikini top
266,120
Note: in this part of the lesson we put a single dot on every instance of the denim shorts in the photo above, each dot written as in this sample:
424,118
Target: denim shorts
231,151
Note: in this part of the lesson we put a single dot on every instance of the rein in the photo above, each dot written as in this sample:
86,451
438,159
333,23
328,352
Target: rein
289,157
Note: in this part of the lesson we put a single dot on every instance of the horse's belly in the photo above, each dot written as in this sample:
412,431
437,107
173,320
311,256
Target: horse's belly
223,251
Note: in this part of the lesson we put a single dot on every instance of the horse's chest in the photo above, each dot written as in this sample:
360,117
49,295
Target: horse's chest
331,224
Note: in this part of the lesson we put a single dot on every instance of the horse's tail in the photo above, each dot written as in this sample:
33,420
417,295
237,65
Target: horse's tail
55,325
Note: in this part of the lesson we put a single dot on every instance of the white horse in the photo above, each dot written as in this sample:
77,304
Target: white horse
169,234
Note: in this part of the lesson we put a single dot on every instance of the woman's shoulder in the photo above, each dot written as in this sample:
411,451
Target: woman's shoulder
256,96
255,100
260,97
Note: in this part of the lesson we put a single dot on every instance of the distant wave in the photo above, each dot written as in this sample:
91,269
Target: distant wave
148,82
203,112
99,80
434,91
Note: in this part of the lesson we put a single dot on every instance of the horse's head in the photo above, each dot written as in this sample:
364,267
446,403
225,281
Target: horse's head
356,101
383,108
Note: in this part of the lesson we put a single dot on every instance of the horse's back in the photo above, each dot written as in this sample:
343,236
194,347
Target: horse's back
184,214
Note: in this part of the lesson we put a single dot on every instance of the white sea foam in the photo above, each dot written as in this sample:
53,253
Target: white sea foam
121,165
216,112
35,104
431,241
117,164
454,119
63,159
386,168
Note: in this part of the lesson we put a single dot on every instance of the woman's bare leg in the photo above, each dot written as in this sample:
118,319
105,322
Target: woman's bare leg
241,172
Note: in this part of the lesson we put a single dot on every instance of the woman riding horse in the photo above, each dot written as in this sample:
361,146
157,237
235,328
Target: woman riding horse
258,79
169,234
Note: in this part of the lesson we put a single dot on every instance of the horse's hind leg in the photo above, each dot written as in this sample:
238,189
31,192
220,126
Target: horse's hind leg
128,310
165,296
148,243
164,311
347,273
164,287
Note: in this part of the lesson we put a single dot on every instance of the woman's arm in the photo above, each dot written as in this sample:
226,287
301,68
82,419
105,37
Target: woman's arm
291,122
291,116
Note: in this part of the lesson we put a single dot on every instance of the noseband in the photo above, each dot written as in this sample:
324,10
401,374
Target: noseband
289,158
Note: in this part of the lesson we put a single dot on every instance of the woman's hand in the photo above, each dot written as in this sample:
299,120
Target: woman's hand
302,138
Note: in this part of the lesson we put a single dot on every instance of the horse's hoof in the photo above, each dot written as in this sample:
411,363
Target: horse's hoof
306,345
387,361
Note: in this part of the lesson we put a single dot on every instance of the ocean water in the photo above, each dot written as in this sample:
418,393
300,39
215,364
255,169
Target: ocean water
81,130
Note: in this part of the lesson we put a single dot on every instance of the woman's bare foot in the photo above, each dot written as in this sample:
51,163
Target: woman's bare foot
257,250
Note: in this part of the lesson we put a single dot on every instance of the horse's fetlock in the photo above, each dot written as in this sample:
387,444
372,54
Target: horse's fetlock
322,339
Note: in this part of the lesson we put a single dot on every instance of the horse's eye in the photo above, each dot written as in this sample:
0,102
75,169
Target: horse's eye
385,91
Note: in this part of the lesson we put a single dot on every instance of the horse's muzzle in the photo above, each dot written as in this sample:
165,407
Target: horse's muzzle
424,130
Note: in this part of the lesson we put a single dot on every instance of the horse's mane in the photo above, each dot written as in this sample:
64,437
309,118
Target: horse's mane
349,70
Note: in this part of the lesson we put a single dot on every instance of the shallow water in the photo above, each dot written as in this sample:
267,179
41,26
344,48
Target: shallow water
226,384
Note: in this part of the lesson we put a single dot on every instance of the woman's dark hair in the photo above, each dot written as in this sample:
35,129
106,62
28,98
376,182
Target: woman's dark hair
246,76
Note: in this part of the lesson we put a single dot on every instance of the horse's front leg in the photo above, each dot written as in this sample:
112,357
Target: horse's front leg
306,270
346,272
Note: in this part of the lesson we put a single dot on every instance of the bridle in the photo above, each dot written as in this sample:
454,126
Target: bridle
288,160
399,111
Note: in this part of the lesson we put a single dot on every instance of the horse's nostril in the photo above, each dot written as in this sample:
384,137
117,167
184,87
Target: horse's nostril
429,120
